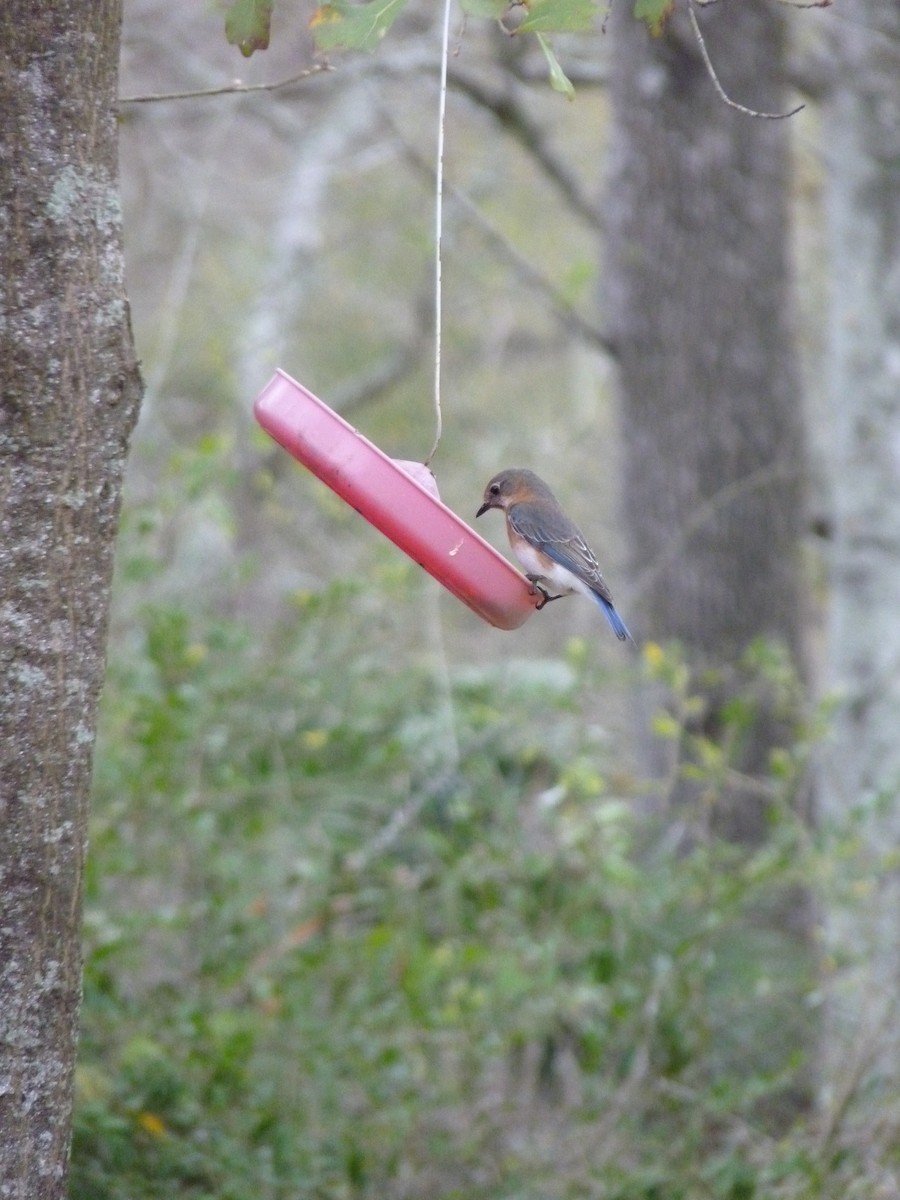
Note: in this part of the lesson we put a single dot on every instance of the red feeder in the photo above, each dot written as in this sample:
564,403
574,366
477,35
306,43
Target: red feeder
399,498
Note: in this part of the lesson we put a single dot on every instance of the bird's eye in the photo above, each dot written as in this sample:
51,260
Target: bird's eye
495,489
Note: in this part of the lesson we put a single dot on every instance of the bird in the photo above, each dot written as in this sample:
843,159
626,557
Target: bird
548,543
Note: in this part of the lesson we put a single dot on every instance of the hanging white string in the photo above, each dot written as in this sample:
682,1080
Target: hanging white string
439,223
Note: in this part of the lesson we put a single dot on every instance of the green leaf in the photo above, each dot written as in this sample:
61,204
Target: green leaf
247,25
558,16
559,81
344,26
654,13
492,10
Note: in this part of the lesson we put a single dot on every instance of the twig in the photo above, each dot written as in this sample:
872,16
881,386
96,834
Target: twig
564,311
512,117
230,89
711,71
567,315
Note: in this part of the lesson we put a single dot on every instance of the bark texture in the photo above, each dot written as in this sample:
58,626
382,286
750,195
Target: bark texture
698,305
697,297
862,119
70,393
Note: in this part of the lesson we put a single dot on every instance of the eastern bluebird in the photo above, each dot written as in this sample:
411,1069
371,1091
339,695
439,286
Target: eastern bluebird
547,543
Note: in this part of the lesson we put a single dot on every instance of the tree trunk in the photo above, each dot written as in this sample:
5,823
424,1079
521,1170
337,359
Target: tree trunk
862,156
698,310
70,392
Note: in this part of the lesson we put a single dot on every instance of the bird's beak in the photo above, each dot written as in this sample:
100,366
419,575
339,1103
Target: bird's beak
487,504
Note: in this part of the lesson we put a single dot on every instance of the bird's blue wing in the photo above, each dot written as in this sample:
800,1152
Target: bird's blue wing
553,533
562,540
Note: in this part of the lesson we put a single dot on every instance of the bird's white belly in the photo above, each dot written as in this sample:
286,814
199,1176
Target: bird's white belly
561,579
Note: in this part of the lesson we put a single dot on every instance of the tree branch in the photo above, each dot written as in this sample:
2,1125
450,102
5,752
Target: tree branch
563,310
234,88
530,136
567,315
711,71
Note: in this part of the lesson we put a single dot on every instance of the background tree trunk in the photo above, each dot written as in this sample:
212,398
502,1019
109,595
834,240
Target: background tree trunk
698,309
862,118
70,393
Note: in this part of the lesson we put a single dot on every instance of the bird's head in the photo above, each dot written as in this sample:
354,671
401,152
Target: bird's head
512,486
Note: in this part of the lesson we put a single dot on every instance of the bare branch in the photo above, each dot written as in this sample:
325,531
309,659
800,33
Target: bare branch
741,108
564,311
513,118
235,88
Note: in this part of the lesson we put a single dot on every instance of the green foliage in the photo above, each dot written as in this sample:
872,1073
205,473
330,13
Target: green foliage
654,13
248,24
349,25
559,81
490,9
559,16
341,25
356,929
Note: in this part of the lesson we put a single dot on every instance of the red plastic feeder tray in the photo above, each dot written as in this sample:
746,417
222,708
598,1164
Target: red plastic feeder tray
405,509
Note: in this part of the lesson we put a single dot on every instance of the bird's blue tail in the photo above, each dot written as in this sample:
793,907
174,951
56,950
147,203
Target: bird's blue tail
619,628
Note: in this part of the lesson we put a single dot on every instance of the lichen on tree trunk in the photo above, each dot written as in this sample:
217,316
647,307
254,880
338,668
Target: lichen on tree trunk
70,395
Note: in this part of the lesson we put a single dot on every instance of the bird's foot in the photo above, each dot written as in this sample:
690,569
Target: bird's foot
538,588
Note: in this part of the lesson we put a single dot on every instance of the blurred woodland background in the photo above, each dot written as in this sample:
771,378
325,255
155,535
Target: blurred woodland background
383,902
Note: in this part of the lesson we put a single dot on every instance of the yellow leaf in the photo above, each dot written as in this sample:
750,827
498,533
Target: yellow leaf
653,655
325,14
152,1124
